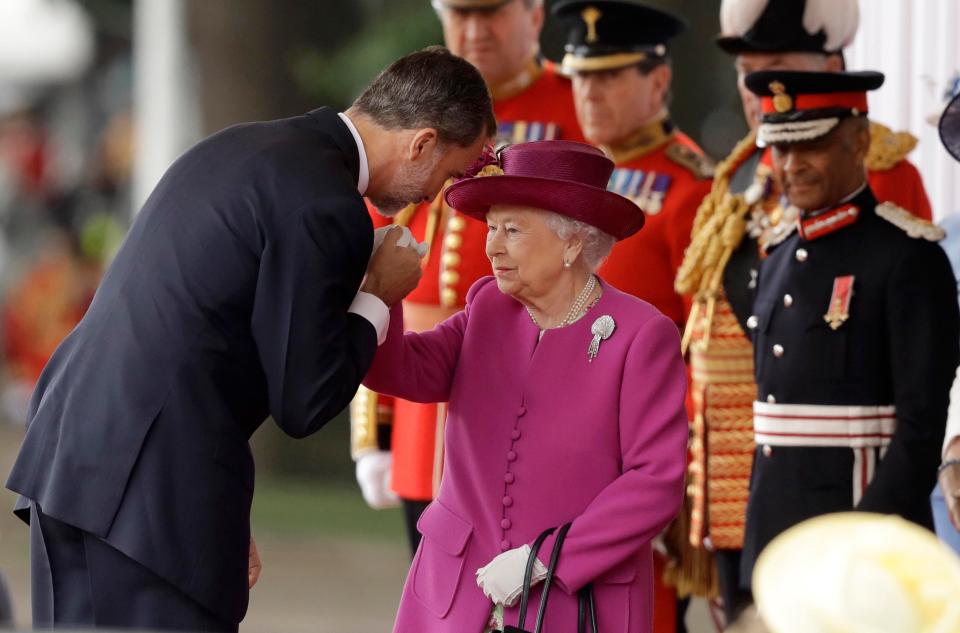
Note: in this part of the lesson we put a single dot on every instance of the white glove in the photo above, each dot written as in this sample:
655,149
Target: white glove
406,239
373,475
502,579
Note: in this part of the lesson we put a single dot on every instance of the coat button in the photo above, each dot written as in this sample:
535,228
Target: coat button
771,399
522,411
515,434
511,456
509,478
767,450
504,545
778,350
801,254
506,524
457,223
753,322
787,301
507,501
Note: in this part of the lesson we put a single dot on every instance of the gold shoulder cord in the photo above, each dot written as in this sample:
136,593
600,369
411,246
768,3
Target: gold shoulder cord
887,148
718,229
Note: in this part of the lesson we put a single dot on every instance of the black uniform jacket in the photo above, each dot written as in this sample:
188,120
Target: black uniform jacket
226,303
899,346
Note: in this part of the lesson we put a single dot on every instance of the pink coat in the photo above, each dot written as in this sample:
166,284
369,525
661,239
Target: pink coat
536,436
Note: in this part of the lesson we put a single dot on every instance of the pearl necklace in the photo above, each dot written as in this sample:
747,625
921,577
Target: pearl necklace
576,309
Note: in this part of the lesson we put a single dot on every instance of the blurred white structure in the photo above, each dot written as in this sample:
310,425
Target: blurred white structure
165,107
914,42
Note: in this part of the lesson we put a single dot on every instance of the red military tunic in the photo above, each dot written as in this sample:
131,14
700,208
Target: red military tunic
537,105
666,174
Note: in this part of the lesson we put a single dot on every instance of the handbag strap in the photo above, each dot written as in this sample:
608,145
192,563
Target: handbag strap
551,570
586,604
528,574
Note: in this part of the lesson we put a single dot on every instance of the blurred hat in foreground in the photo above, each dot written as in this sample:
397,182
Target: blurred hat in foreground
858,572
949,126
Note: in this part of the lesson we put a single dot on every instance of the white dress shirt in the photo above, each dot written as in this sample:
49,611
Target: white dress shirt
369,306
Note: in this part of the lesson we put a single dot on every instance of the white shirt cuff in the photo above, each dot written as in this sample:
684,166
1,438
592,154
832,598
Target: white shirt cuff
371,308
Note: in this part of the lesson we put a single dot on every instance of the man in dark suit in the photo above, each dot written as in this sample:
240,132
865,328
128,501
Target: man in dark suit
855,324
234,297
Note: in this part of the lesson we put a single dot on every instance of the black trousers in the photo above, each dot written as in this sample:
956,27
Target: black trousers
736,598
78,580
411,514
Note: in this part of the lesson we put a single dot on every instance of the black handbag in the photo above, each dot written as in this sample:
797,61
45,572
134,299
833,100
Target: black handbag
585,596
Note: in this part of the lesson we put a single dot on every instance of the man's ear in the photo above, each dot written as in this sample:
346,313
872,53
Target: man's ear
422,143
662,75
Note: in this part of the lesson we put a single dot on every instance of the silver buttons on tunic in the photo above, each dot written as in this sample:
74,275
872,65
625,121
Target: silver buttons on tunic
787,301
753,322
771,399
767,450
778,350
802,254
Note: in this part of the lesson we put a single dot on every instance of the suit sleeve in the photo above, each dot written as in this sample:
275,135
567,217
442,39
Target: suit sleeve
313,352
922,330
636,506
420,367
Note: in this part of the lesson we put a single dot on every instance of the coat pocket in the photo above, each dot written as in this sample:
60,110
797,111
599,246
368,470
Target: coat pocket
439,563
612,592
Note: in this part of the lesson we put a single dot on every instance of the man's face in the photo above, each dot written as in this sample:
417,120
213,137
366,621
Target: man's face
747,63
419,178
498,41
613,104
818,174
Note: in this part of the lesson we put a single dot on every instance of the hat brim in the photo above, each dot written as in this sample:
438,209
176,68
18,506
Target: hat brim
608,211
949,127
733,45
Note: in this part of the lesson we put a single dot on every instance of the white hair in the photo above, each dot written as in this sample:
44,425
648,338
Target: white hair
597,244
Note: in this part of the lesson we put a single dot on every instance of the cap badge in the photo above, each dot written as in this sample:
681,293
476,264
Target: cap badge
782,102
591,15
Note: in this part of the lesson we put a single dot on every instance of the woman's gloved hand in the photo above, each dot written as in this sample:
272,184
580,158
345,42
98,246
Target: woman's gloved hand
501,579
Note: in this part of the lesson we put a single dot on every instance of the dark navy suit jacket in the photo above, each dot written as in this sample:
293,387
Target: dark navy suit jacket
228,302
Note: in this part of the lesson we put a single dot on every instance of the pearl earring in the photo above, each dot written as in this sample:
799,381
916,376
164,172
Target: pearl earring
566,264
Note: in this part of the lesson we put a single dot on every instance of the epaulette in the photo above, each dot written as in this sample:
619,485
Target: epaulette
887,148
910,224
701,166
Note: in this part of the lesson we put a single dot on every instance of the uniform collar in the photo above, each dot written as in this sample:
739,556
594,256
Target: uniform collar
363,179
816,224
523,80
658,132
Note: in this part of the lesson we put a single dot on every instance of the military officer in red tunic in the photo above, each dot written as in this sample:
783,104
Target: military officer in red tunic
721,264
616,54
532,102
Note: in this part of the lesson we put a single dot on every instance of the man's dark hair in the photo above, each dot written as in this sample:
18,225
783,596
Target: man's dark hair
431,88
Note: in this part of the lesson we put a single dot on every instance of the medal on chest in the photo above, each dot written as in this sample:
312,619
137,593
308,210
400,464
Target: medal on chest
839,309
646,188
526,131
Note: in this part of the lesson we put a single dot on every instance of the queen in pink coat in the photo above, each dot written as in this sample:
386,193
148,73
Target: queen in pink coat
566,404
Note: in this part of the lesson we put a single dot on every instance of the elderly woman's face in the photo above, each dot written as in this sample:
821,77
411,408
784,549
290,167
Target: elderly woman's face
526,254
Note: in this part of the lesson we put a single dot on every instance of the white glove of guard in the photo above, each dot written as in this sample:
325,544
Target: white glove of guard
406,240
373,475
502,579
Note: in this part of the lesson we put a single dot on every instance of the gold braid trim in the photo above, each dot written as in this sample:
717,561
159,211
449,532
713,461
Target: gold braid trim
887,148
711,234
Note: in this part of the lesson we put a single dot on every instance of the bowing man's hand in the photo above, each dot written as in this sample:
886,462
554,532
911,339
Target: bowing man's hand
254,566
394,269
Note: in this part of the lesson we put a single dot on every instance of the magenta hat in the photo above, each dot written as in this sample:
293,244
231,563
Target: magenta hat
561,176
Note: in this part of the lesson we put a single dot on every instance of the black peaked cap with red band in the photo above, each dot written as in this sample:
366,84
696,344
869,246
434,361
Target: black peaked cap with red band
801,106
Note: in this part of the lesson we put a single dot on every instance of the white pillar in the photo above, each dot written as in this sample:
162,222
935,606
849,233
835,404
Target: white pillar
913,42
164,103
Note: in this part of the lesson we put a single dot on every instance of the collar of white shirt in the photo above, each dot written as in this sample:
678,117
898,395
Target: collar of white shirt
364,178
